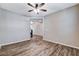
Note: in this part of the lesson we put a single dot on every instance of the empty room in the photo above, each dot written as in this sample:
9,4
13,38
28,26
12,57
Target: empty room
39,29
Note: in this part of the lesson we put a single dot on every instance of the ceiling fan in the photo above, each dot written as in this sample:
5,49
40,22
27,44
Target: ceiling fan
36,7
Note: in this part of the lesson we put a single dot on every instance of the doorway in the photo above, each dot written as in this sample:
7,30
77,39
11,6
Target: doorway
36,26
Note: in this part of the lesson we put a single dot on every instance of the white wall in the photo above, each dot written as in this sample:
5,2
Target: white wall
13,27
63,27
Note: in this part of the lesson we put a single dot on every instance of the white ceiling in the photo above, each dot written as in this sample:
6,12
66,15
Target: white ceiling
22,8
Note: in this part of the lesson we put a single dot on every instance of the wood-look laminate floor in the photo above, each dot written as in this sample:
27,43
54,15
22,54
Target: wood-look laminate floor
38,47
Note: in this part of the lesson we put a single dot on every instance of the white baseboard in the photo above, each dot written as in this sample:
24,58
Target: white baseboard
63,44
12,43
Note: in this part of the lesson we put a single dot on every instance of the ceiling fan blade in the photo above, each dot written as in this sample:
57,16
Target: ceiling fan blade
43,10
30,5
36,5
30,10
42,4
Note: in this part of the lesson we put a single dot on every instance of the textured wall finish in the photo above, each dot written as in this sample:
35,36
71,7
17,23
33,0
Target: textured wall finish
13,28
62,27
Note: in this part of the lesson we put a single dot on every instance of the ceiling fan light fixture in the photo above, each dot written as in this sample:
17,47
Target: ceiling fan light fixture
36,7
36,11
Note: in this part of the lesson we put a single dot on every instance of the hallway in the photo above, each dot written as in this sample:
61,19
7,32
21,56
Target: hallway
38,47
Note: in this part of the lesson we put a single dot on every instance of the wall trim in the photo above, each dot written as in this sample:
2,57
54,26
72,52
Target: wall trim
62,44
12,42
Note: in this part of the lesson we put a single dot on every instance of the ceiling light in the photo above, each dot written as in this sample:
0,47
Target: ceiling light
36,6
36,11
